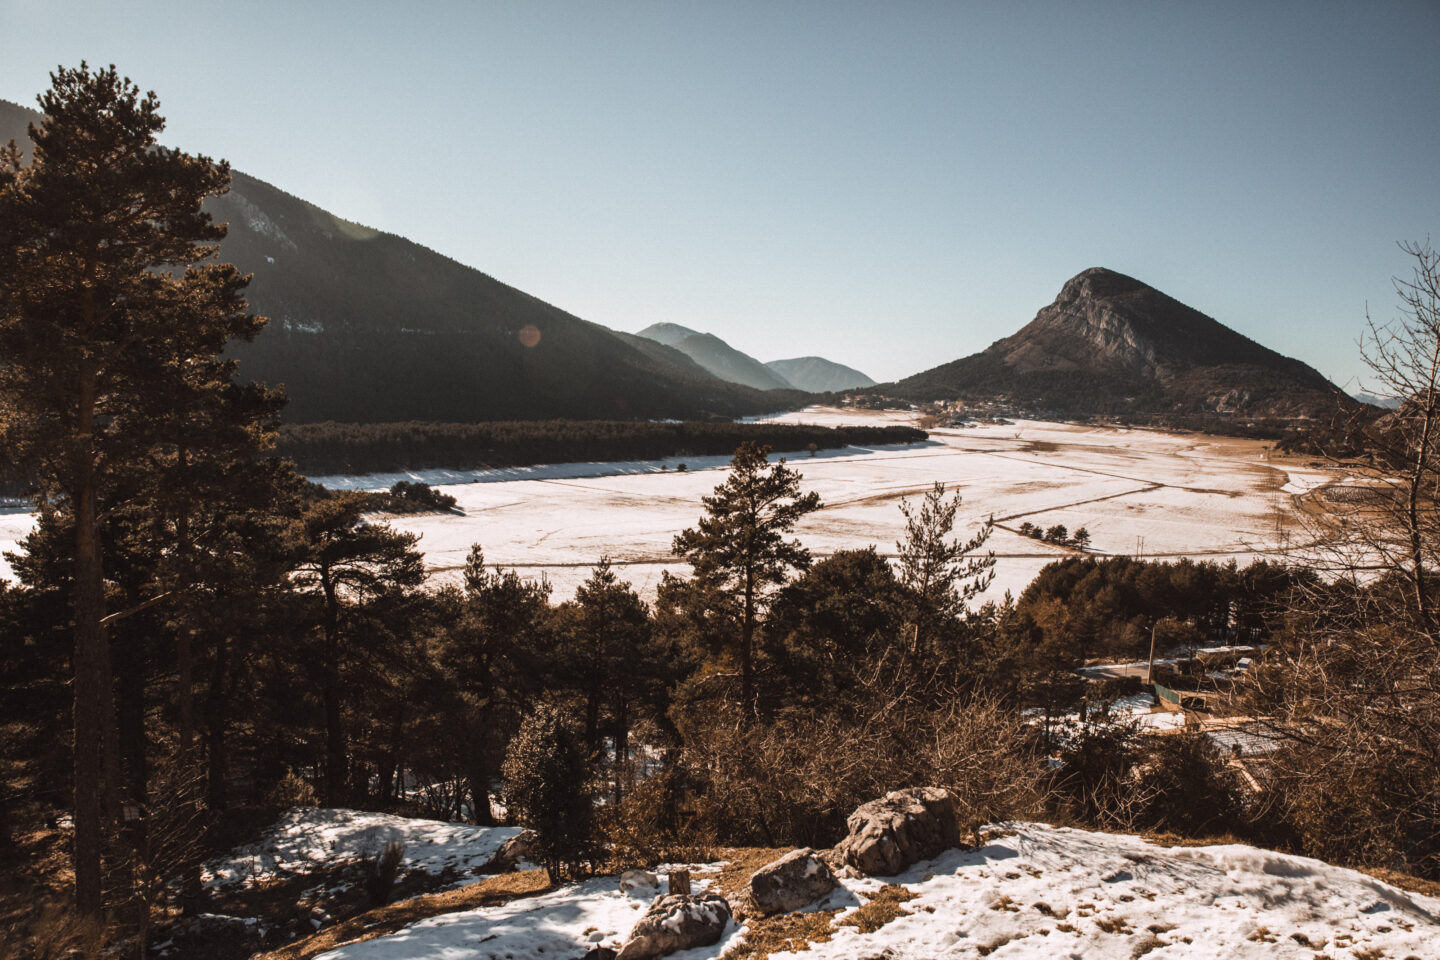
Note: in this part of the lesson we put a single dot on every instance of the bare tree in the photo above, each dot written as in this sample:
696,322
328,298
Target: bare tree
1355,681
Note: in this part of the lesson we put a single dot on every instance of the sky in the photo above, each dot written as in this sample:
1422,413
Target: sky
891,185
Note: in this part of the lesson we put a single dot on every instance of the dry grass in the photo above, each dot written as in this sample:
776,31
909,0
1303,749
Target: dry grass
1404,881
786,932
387,919
880,909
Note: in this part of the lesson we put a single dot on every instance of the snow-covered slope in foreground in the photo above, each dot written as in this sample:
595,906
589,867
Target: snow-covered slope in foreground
1033,891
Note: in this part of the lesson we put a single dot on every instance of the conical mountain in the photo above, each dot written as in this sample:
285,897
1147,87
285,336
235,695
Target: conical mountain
1112,344
367,326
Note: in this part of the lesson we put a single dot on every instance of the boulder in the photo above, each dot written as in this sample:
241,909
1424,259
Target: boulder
640,883
512,852
676,921
901,828
795,880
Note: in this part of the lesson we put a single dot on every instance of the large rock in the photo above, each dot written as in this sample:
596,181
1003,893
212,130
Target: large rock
676,921
639,883
512,852
899,829
795,880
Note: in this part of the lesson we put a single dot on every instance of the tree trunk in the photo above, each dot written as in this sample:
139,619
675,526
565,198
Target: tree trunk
747,633
479,777
88,601
334,734
95,748
130,716
622,748
217,722
592,721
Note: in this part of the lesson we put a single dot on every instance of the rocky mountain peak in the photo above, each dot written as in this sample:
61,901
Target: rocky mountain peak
1098,283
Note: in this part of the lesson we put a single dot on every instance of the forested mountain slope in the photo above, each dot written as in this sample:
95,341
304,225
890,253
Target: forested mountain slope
367,326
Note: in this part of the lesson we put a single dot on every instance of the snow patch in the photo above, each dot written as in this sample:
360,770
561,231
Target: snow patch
306,839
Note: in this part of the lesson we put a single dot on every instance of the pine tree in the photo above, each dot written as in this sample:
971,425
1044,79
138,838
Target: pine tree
347,562
548,786
611,660
739,545
944,574
494,644
105,302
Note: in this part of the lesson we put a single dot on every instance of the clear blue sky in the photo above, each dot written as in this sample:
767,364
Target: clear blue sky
888,184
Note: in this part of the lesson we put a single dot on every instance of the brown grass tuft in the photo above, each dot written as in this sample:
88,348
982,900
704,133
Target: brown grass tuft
880,909
785,932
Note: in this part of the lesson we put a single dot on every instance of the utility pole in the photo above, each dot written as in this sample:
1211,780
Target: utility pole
1150,670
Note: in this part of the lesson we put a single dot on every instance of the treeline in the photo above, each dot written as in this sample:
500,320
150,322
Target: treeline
1106,607
331,448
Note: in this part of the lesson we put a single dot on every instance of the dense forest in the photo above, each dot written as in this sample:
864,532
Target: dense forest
197,638
333,448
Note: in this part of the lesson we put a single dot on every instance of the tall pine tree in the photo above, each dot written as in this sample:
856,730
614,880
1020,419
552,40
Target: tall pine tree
106,302
739,546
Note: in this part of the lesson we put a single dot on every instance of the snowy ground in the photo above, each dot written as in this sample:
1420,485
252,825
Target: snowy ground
1137,492
306,839
1033,891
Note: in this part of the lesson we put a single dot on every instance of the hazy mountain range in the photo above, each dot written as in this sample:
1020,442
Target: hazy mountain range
812,374
370,327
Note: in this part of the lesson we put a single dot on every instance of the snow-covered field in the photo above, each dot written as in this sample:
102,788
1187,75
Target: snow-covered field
1136,492
1033,891
306,839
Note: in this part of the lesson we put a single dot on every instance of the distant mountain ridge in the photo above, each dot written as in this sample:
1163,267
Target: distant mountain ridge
716,356
818,375
370,327
1112,344
811,374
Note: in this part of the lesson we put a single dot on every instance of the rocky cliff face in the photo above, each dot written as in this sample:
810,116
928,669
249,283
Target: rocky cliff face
1112,344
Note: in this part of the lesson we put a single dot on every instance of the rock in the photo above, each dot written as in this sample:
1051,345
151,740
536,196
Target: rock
899,829
639,882
795,880
599,953
676,921
517,848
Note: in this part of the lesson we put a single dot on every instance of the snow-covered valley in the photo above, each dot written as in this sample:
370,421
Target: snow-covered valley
1137,492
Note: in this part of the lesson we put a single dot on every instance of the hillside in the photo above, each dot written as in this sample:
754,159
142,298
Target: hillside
1029,890
368,326
818,375
716,356
1112,344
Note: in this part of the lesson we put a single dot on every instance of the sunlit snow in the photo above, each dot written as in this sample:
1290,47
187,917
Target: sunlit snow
1137,492
1032,891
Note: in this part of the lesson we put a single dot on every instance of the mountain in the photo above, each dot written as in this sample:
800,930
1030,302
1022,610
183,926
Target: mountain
1384,403
667,333
368,326
818,375
1110,344
716,356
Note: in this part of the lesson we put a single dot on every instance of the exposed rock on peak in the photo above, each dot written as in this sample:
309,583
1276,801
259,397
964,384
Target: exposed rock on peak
1112,344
